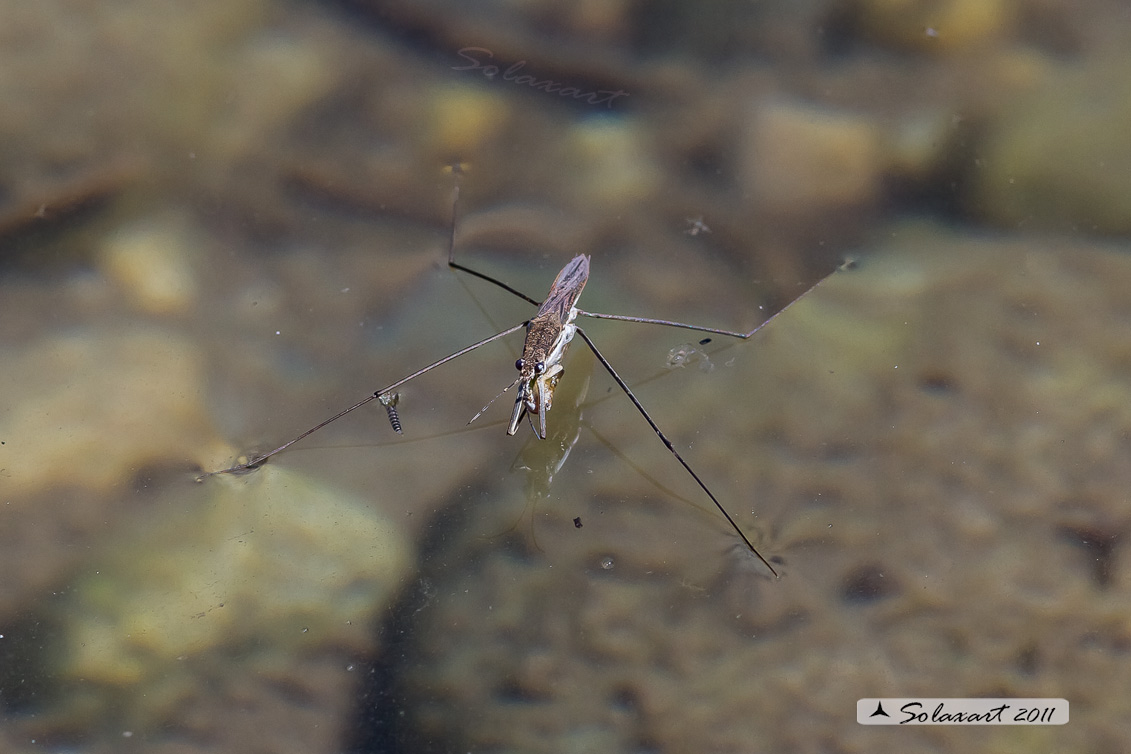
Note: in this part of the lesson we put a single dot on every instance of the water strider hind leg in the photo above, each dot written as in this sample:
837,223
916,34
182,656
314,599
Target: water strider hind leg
668,444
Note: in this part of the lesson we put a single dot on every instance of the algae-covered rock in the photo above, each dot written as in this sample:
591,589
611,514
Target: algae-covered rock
256,569
89,407
1059,157
616,164
152,261
798,155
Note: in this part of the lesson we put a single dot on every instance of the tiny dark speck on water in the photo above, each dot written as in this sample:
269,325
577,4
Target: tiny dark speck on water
577,522
705,341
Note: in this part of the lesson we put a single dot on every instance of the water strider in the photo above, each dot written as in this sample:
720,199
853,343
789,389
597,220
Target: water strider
548,335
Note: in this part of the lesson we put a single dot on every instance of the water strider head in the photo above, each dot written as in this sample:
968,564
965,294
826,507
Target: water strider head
539,370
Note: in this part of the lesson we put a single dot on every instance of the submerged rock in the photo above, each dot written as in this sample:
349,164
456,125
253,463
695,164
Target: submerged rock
1045,165
87,408
265,567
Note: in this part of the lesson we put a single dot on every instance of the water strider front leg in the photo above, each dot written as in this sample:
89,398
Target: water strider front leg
848,264
384,395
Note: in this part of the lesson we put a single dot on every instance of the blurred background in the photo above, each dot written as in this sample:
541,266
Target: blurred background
222,222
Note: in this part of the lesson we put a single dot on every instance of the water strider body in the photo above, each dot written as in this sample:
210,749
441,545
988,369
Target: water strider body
548,335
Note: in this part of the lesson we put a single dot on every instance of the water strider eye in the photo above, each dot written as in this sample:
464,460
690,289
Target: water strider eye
539,367
519,364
